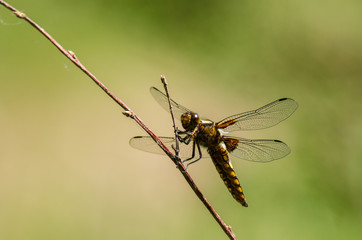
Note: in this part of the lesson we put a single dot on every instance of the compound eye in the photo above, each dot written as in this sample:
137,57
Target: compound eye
186,120
190,120
194,116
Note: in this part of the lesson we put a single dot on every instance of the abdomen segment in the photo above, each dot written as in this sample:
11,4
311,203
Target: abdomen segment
220,159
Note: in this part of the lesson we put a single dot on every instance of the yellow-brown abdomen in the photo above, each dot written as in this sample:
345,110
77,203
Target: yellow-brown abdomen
220,159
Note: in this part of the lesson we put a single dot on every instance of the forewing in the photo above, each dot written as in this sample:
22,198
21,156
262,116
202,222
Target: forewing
264,117
258,150
147,144
162,99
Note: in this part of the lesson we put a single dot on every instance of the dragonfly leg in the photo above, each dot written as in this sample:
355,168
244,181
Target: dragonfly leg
180,131
193,155
187,139
189,135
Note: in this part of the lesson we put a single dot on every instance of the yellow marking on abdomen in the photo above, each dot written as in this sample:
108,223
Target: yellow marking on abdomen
220,159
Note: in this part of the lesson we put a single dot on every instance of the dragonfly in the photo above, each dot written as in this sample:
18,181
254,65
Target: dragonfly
202,137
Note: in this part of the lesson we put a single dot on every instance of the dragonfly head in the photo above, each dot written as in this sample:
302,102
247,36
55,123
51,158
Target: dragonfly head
190,120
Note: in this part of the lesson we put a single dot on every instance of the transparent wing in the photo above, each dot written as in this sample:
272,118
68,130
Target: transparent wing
147,144
162,99
259,150
264,117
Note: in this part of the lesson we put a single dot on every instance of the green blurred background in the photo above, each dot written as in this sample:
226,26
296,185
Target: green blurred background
68,172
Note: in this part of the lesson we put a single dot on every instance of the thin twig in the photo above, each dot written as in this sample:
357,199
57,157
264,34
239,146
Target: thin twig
129,113
177,147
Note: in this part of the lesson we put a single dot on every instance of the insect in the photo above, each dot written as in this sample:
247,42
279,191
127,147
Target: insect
209,138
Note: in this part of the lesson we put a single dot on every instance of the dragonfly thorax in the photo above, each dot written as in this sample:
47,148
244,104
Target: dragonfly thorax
208,135
189,121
